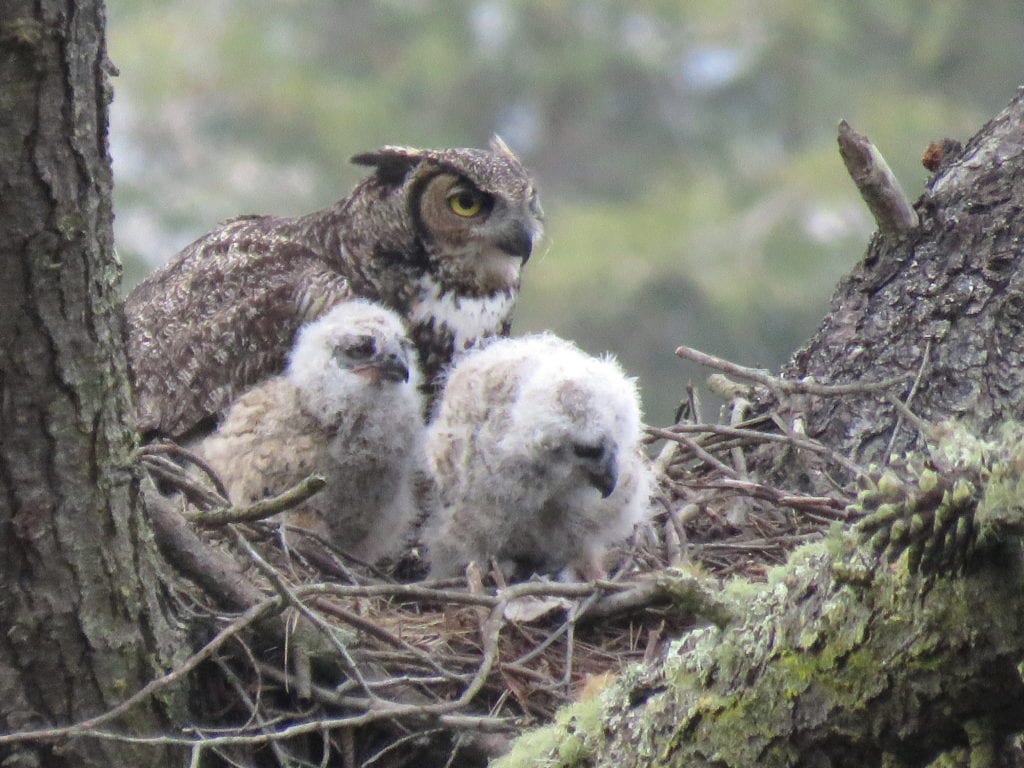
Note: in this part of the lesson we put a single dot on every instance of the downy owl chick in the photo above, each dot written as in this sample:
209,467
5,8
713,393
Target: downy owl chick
347,407
535,459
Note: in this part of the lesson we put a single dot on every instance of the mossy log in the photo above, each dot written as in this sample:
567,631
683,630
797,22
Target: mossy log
846,657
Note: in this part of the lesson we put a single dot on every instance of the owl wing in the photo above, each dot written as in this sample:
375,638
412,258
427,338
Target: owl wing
220,318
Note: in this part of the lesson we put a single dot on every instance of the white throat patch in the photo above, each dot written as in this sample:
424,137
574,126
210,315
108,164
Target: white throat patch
468,318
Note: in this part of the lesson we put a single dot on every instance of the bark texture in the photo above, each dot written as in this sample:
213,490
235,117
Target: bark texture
845,660
842,659
80,600
953,286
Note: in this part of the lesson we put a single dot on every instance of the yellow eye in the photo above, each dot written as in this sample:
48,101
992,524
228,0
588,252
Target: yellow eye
465,202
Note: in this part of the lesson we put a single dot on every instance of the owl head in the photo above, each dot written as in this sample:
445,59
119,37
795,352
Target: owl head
542,416
474,214
357,351
576,416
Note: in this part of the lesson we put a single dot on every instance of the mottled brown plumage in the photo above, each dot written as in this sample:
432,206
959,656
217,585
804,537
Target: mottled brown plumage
440,236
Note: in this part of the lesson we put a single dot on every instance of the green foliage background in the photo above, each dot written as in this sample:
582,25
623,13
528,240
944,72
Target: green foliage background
685,151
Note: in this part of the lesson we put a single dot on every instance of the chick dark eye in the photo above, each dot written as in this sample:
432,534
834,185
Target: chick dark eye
361,348
590,452
467,202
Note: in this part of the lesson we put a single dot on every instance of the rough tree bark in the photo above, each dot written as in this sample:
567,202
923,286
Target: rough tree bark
845,660
954,286
80,596
835,662
841,660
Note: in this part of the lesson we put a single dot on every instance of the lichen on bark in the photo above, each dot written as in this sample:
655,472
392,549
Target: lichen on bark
845,657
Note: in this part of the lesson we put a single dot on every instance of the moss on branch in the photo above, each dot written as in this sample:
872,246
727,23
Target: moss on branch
848,655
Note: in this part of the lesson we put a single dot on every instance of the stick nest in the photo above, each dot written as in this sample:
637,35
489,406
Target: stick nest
310,658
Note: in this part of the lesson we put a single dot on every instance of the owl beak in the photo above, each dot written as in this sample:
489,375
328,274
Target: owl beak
517,240
393,368
390,366
603,473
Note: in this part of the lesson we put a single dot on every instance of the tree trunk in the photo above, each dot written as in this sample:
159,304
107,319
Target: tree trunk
953,287
80,596
842,659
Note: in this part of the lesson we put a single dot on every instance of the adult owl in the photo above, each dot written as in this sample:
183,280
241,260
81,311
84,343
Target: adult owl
440,236
347,407
534,454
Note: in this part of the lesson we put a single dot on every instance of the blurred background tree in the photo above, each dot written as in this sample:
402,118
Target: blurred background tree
685,152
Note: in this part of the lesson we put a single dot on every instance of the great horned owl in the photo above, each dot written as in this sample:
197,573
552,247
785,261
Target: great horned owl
347,407
440,236
535,459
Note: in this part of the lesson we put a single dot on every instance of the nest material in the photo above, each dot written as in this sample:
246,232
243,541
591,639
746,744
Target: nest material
350,665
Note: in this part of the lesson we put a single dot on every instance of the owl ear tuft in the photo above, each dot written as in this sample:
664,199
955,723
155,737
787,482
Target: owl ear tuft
499,147
392,164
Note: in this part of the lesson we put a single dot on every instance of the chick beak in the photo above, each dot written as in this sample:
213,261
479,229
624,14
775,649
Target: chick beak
389,366
517,240
603,473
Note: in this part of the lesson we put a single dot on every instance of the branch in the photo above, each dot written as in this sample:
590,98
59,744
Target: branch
877,183
787,386
845,654
261,509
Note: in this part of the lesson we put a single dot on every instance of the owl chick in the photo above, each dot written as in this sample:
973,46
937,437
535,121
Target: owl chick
535,460
440,236
347,407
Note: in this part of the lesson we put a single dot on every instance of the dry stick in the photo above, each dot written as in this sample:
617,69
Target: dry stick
781,498
254,708
588,601
399,743
708,458
172,448
740,406
756,435
275,579
417,592
219,574
176,476
922,426
333,565
261,509
788,386
802,441
441,713
427,712
380,633
877,183
910,396
86,727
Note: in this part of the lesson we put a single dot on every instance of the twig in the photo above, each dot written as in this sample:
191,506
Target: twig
87,727
708,458
902,412
922,426
380,633
672,433
172,448
877,183
778,497
261,509
787,386
274,577
219,574
176,476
